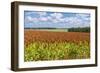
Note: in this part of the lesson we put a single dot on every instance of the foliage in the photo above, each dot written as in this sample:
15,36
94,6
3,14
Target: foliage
85,29
38,51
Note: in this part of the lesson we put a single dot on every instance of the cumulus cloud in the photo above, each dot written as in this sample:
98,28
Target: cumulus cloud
30,19
56,15
42,13
83,16
29,13
43,19
57,19
75,21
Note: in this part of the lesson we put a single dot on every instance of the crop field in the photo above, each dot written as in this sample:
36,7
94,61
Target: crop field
48,45
53,30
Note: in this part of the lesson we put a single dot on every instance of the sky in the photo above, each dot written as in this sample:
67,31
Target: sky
45,19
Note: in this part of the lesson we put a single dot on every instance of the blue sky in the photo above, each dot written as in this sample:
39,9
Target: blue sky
40,19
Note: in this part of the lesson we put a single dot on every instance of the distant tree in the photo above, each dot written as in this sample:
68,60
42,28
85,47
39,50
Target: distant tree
84,29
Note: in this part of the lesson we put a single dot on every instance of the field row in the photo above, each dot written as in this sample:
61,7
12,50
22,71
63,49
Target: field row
46,36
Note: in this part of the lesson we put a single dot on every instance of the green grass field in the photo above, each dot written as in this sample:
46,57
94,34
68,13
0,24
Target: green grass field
53,30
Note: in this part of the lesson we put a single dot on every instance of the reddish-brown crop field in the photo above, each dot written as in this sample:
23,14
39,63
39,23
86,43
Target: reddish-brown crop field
47,36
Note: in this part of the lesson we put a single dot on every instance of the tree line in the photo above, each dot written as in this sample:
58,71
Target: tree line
85,29
78,29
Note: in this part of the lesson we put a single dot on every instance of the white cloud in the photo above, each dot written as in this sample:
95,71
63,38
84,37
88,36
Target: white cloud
35,19
55,21
75,21
30,19
43,19
30,13
83,16
56,15
41,13
66,19
71,21
49,17
59,19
